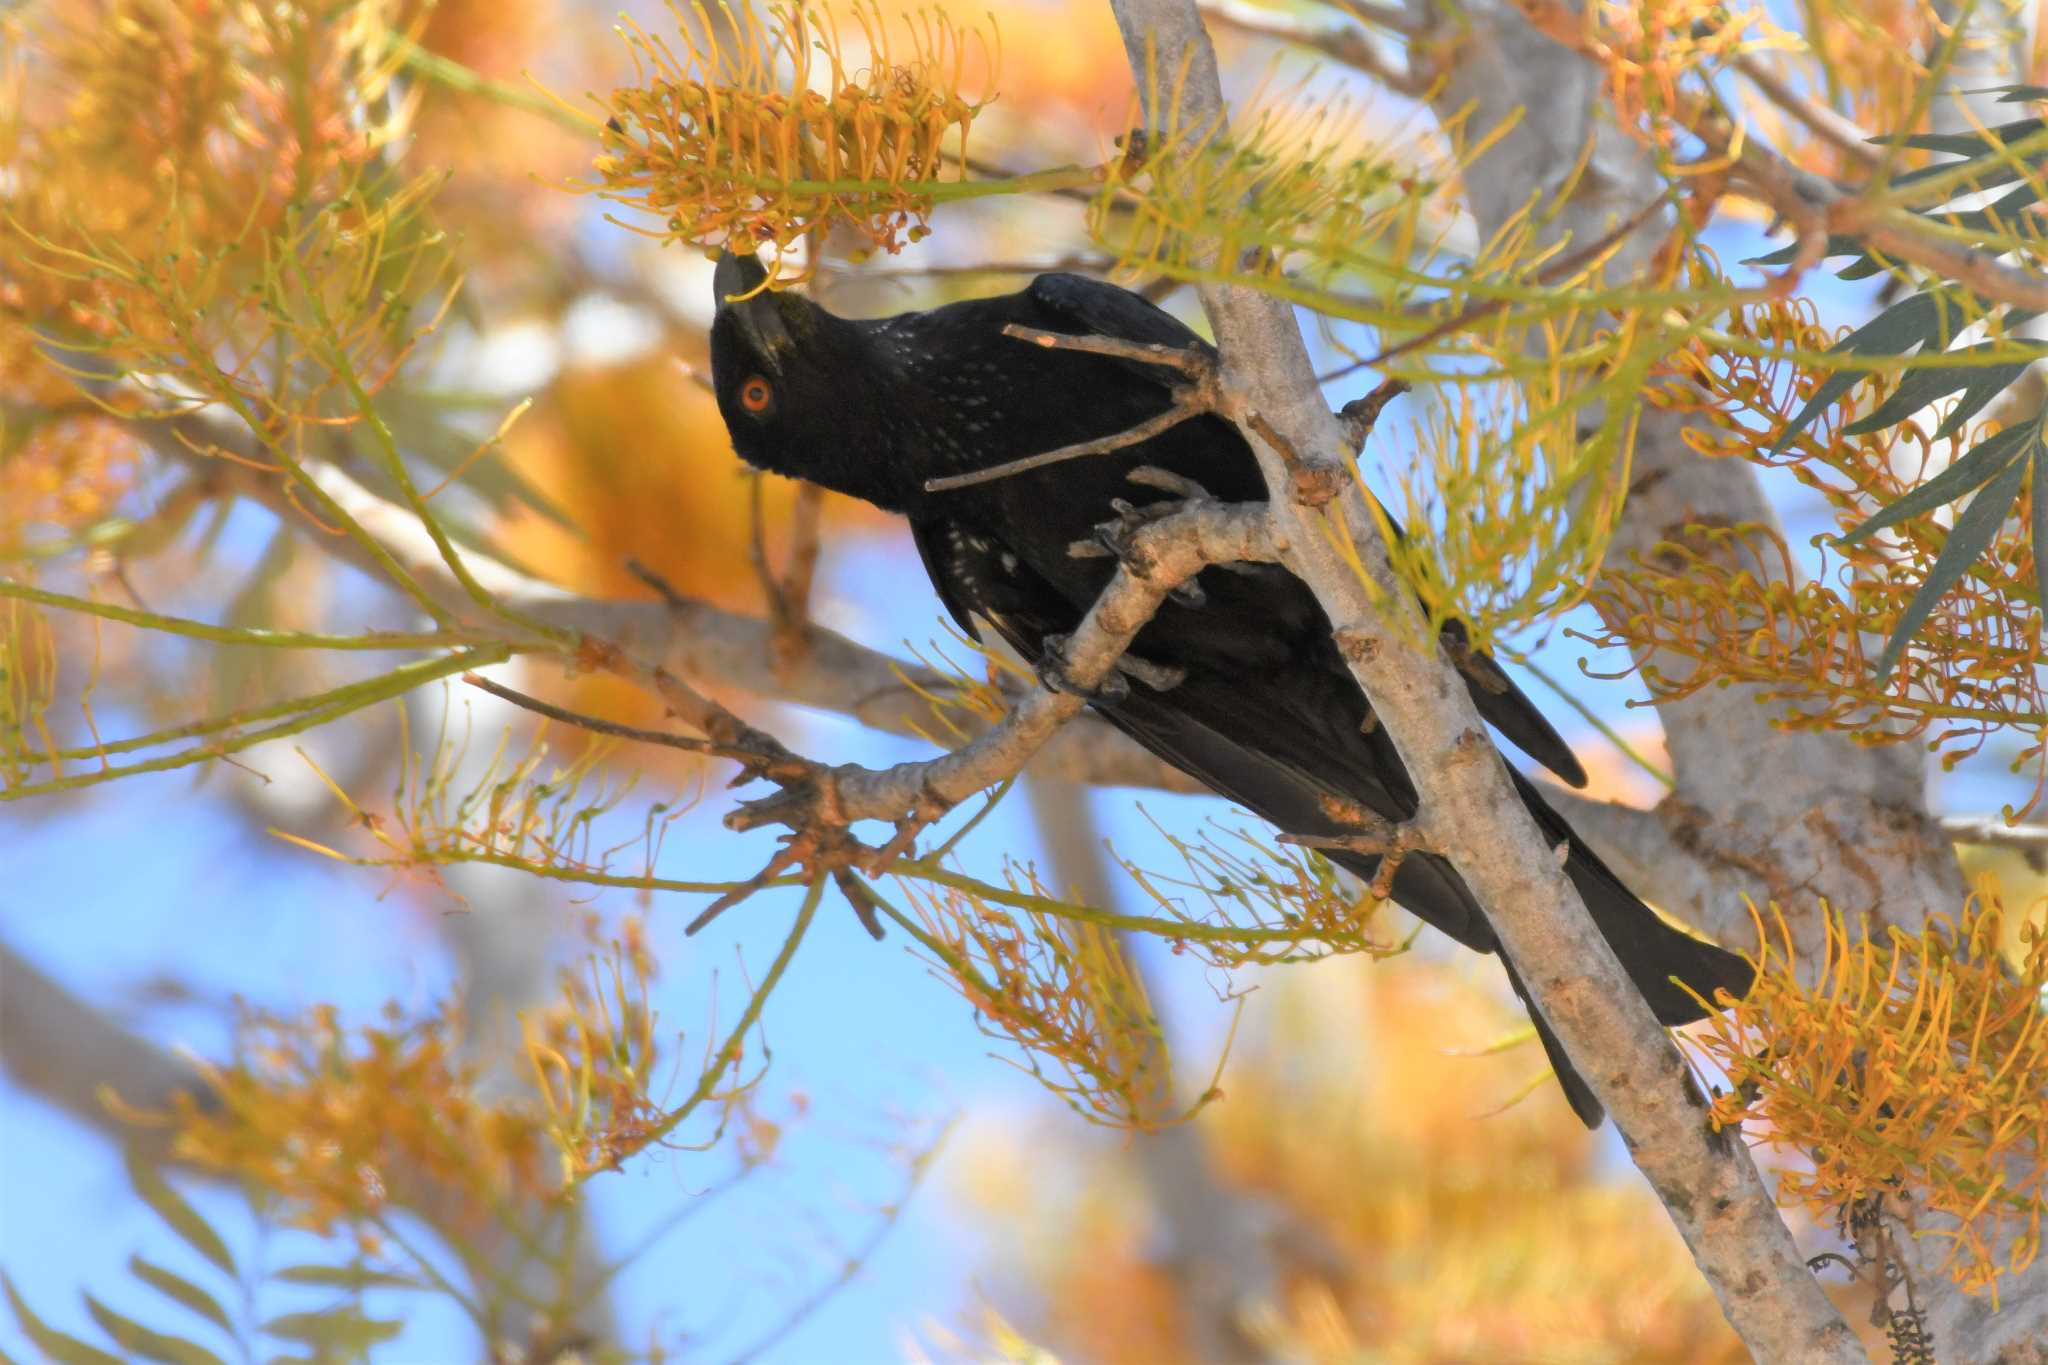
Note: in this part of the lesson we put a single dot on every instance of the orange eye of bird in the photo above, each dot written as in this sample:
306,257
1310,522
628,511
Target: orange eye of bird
755,394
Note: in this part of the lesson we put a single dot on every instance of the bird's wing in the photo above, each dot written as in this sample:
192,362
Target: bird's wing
1087,306
949,563
1092,308
1278,739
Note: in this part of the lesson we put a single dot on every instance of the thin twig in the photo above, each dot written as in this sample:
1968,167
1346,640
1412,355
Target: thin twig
1192,399
1144,431
1830,127
819,805
1190,361
596,725
1560,269
1346,45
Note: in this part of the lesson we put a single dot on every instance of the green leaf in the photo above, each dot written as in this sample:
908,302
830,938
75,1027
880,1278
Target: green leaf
1967,144
1973,470
181,1291
1908,323
339,1330
177,1214
349,1277
2041,523
59,1347
1981,384
139,1340
1993,170
1839,244
2003,210
1973,533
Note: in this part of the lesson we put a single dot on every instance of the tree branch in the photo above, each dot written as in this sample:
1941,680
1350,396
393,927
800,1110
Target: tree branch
819,805
57,1046
1707,1183
689,639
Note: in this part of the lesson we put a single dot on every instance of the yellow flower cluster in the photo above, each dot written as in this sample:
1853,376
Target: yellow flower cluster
1722,598
739,132
1910,1066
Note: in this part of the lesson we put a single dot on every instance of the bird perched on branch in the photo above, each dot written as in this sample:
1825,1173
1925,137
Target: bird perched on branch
1236,681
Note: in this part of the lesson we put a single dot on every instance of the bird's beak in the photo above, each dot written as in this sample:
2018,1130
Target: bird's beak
760,317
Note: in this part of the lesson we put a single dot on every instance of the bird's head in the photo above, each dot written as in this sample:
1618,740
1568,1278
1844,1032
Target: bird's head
800,389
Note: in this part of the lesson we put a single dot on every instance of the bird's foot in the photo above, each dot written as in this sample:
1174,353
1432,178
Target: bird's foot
1055,674
1158,677
1118,538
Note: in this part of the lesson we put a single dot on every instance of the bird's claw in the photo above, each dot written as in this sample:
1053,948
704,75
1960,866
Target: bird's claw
1117,538
1055,674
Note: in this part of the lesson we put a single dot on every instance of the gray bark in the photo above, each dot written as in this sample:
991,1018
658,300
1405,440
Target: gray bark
1804,819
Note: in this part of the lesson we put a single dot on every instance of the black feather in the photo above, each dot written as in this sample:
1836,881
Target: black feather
1265,712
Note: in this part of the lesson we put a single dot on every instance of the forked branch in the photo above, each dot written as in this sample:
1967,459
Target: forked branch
819,805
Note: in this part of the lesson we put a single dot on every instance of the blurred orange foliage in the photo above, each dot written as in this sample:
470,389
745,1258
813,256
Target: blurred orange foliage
1409,1226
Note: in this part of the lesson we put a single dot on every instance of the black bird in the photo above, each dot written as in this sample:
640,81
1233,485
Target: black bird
1245,690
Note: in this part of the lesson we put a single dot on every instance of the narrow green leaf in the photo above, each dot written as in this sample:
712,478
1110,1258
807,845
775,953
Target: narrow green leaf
1994,171
1908,323
2016,94
2003,210
1968,144
146,1342
336,1329
58,1346
2040,518
1920,387
350,1277
181,1291
1839,244
177,1214
1973,470
1969,405
1973,532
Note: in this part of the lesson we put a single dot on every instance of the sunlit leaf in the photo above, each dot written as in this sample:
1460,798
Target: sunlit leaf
342,1330
177,1214
1973,470
181,1291
58,1346
147,1342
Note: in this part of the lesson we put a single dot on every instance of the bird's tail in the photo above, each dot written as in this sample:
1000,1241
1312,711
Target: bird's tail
1673,970
1656,957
